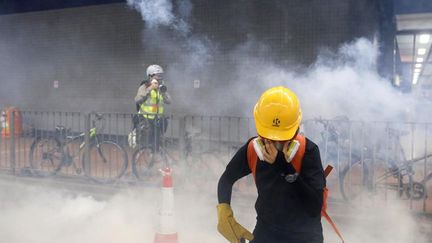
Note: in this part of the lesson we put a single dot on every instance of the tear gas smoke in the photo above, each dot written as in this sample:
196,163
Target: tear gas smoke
44,214
342,83
157,13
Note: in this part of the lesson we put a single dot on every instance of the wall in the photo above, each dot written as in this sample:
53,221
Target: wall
98,54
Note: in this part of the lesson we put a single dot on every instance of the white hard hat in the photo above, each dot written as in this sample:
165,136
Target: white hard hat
154,69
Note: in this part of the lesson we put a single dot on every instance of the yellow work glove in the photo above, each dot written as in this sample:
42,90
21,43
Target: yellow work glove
229,227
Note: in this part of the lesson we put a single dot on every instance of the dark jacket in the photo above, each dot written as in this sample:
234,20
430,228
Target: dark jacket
145,81
291,212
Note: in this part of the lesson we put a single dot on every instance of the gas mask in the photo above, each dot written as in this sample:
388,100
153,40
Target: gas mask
279,145
293,147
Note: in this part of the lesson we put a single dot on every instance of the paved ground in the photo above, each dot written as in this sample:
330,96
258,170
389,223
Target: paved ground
82,211
78,211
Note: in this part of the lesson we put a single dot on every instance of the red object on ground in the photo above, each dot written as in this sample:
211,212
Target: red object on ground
167,178
7,120
166,232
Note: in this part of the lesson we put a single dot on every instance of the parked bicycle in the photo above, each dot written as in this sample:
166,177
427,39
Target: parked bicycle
370,169
108,159
204,160
192,164
392,171
150,155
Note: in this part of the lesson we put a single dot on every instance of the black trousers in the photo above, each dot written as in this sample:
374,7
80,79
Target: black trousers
266,234
150,131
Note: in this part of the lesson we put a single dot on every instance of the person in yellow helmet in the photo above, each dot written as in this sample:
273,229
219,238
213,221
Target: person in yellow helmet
288,174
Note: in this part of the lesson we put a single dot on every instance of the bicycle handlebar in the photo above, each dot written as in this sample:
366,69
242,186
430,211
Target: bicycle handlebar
99,116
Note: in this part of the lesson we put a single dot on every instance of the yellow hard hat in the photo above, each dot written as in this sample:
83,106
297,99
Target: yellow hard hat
277,114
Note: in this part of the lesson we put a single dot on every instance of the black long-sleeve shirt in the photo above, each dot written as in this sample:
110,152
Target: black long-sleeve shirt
283,206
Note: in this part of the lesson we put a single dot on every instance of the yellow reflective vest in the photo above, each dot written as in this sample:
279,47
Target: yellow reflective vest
153,105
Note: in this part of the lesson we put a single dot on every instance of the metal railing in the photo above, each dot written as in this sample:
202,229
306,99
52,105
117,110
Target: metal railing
389,160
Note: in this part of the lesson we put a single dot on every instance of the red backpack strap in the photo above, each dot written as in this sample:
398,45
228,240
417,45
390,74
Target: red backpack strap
298,158
324,213
333,225
252,158
327,171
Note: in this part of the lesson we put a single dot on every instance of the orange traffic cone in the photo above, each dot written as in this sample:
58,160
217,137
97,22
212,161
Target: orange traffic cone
166,232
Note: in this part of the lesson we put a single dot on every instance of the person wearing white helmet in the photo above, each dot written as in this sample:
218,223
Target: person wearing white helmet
151,97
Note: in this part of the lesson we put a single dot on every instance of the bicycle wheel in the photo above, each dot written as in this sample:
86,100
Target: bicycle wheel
108,162
146,164
416,192
46,156
354,180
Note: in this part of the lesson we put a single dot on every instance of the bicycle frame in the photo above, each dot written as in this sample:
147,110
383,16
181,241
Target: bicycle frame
390,154
92,134
61,135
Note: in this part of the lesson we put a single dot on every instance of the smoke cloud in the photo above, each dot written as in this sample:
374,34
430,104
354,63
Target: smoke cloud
339,83
342,82
40,213
376,220
156,13
32,213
